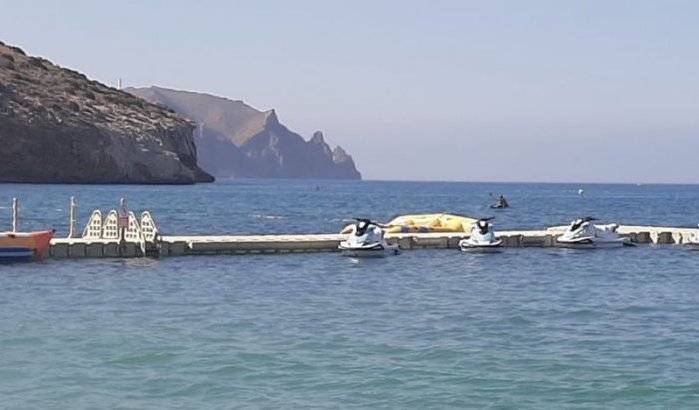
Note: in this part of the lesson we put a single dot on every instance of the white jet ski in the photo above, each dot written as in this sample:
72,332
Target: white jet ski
582,233
482,238
366,239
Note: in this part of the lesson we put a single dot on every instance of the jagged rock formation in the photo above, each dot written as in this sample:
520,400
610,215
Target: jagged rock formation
57,126
236,140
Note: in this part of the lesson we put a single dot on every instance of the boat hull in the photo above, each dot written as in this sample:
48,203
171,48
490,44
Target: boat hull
9,254
466,245
373,251
587,243
24,246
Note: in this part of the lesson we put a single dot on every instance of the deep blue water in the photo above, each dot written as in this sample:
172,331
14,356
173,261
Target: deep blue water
258,206
527,328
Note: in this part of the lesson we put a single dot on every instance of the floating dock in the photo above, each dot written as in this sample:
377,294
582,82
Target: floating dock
121,234
164,246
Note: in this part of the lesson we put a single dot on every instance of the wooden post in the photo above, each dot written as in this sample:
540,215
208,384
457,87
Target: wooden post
15,215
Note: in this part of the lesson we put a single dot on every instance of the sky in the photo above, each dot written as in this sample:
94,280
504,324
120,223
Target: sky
535,91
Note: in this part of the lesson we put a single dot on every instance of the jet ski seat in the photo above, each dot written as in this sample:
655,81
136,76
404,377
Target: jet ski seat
608,227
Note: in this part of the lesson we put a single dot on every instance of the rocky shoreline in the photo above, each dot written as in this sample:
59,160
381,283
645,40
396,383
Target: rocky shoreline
57,126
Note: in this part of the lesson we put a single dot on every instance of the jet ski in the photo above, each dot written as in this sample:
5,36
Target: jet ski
500,203
482,238
366,239
582,233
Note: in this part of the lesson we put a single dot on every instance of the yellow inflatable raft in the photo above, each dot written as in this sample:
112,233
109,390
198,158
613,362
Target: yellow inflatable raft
427,223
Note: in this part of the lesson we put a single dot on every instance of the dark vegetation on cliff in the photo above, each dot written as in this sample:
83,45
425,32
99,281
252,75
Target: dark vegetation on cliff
236,140
58,126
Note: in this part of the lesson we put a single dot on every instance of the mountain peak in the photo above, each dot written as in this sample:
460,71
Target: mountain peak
271,117
317,138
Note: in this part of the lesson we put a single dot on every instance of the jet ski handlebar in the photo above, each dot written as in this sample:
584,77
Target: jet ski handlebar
370,222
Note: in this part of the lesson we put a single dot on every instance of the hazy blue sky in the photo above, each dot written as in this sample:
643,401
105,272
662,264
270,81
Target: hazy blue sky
444,90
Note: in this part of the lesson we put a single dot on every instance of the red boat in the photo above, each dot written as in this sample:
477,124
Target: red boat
24,246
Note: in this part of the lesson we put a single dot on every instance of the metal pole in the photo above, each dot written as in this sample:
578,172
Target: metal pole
73,233
120,214
15,215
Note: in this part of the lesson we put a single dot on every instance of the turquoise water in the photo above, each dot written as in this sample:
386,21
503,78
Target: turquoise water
527,328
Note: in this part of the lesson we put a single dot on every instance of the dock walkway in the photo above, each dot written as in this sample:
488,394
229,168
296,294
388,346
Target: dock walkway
270,244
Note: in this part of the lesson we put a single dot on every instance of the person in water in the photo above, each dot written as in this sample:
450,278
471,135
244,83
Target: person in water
500,203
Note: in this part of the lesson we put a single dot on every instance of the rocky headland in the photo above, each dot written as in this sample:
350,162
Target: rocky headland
58,126
236,140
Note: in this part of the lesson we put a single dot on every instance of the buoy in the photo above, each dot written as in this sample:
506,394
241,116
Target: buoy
581,192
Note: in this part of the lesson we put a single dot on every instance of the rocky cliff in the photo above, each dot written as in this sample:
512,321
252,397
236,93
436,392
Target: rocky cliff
57,126
236,140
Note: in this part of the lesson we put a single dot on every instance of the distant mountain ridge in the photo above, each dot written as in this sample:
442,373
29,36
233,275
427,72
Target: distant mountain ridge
236,140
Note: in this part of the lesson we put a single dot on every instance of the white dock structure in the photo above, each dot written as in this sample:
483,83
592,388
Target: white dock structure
138,243
121,234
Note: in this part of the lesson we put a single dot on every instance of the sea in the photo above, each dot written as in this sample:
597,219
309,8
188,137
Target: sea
528,328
